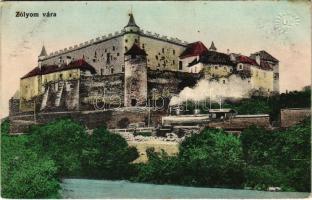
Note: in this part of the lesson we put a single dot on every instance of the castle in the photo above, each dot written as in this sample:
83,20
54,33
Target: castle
127,68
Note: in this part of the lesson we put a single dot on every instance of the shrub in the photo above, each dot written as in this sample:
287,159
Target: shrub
62,140
24,173
212,158
108,156
5,126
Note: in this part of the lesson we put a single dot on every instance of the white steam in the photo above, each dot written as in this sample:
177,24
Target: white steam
234,87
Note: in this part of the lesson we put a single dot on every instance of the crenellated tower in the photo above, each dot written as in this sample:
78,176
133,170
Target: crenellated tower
131,33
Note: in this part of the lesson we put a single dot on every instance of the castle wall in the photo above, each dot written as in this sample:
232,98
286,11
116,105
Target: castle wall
261,79
292,116
14,105
91,119
241,122
217,70
30,87
165,84
61,75
105,54
161,54
97,89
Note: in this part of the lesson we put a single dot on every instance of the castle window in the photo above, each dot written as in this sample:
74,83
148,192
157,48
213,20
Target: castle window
123,69
112,70
70,75
173,52
143,46
216,67
156,57
173,62
113,48
224,68
117,54
126,48
61,76
180,65
107,57
231,70
223,81
163,50
136,40
105,50
102,72
126,40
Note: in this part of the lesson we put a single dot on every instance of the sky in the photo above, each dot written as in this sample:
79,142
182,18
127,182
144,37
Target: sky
282,28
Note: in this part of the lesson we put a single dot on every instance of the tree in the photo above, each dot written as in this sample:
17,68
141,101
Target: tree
213,158
107,155
24,173
63,141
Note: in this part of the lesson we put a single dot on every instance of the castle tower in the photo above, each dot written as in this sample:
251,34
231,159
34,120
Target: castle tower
131,35
212,47
135,91
41,56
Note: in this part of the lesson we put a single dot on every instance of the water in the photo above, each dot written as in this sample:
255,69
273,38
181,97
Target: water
85,188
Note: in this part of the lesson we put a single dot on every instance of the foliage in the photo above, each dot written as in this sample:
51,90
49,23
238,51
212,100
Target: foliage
107,155
258,104
62,140
213,153
5,126
24,173
278,158
216,154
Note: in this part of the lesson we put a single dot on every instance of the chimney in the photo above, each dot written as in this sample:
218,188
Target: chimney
232,57
258,59
68,60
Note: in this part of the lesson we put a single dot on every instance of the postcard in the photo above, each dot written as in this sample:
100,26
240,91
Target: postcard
156,100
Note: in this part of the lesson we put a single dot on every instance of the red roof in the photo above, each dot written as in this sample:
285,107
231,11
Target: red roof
46,69
194,49
247,60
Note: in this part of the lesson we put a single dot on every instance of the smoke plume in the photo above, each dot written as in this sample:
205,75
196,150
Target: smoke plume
234,87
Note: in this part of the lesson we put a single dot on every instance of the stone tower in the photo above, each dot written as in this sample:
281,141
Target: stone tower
135,77
42,55
131,35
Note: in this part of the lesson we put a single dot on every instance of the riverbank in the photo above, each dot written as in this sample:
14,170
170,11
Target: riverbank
91,189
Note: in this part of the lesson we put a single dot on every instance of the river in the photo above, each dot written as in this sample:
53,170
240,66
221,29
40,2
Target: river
85,188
